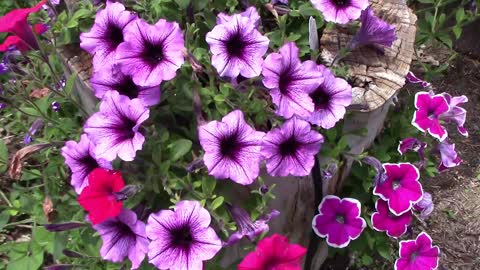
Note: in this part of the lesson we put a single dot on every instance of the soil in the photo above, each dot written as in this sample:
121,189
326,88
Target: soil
455,223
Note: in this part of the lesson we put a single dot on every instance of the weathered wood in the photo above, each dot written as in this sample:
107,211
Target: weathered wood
376,76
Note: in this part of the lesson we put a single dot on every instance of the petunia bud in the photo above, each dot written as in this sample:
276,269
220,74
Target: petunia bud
72,254
263,189
380,176
59,267
55,106
127,192
329,172
60,227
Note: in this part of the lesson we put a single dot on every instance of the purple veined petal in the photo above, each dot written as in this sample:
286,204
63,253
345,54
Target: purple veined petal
107,33
411,78
291,149
290,82
232,148
181,239
151,53
115,128
81,159
455,114
374,31
340,11
237,48
330,98
449,157
122,237
251,13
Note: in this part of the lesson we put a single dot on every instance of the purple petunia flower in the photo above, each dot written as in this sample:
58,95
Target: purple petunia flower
411,78
291,149
115,128
380,175
338,220
448,155
413,144
232,148
107,34
418,254
401,189
274,2
426,118
246,227
374,31
340,11
123,236
34,128
237,48
182,239
384,221
103,82
251,13
456,114
55,105
290,81
425,206
81,159
330,99
151,53
4,69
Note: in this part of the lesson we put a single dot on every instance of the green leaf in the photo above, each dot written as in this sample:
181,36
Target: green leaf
384,250
457,31
208,185
70,83
460,15
217,203
183,4
445,39
179,148
366,260
3,156
4,218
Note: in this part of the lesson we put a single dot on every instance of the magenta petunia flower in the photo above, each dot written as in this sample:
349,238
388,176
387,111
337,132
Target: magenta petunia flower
246,227
232,148
449,157
413,144
412,78
151,53
251,13
81,159
426,118
237,48
123,236
290,81
104,81
425,206
384,221
338,220
456,114
107,34
274,253
115,128
374,31
16,23
340,11
330,99
291,149
401,189
418,254
182,239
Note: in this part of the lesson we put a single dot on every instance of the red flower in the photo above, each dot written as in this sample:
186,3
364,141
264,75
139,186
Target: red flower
15,22
18,42
98,198
274,253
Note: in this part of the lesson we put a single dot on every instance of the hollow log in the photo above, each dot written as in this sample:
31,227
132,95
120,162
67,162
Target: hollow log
376,80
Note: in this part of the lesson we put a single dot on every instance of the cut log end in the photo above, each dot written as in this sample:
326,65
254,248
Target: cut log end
376,77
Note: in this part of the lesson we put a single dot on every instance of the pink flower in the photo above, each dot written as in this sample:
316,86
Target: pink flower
426,118
340,11
413,144
401,189
274,253
384,221
418,254
456,114
338,220
18,43
448,155
15,22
